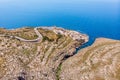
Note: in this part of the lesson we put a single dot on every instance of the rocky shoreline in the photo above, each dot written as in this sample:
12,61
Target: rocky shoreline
100,61
53,56
21,59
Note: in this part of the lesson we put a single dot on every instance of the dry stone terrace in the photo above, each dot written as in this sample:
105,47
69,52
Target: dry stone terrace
54,58
73,34
101,61
27,34
22,60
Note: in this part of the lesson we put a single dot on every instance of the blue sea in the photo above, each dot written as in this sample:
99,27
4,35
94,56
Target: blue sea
97,18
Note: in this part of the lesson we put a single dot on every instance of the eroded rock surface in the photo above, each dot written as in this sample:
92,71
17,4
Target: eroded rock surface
53,57
101,61
42,60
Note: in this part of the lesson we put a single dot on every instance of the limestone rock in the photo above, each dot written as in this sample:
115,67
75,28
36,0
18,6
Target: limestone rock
101,61
35,60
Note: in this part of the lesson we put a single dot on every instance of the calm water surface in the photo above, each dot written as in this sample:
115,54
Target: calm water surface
97,18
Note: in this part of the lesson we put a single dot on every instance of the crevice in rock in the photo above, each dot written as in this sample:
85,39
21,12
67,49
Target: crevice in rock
58,70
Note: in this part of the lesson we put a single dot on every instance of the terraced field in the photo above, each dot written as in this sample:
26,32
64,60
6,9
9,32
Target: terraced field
26,33
21,60
101,61
54,58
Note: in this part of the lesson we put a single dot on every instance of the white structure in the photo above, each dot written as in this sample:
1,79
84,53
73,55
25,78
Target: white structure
73,34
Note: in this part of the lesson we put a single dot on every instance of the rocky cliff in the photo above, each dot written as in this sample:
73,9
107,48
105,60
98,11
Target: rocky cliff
50,54
101,61
36,54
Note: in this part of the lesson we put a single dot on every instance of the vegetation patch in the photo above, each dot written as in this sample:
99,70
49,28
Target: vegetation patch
58,71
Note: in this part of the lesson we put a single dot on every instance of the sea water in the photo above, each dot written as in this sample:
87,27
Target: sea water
97,18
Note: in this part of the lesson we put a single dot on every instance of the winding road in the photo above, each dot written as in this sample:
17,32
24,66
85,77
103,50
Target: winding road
25,40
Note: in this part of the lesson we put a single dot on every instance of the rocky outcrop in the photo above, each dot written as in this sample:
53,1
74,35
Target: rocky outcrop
101,61
54,57
41,60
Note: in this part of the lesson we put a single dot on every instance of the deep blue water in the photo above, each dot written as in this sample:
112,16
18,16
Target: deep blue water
97,18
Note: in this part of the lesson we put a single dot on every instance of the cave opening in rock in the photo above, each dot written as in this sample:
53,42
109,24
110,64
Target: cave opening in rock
20,78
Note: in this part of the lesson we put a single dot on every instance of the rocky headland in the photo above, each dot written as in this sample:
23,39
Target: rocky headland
101,61
49,53
36,53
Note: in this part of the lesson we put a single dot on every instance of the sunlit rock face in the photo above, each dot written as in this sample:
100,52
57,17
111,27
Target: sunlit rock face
23,58
50,54
101,61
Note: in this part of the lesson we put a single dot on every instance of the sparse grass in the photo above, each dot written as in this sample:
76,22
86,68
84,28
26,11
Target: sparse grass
46,49
53,49
49,35
26,33
94,66
61,41
58,37
29,53
92,49
65,43
28,37
29,49
46,38
2,67
26,52
58,71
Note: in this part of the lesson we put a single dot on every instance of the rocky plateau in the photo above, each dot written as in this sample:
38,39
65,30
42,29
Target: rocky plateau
49,53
